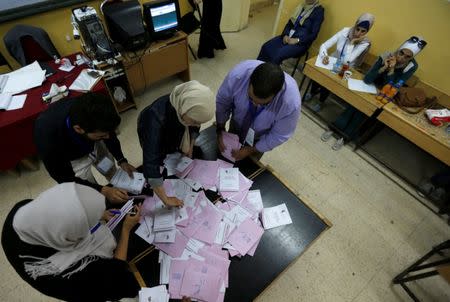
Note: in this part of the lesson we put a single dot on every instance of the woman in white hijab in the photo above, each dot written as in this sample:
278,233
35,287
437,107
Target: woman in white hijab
352,44
57,244
171,124
398,65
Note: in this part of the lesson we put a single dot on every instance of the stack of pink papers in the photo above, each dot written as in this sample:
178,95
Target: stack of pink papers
231,142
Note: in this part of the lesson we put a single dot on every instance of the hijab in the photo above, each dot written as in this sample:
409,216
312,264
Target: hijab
61,218
366,21
304,10
194,100
413,45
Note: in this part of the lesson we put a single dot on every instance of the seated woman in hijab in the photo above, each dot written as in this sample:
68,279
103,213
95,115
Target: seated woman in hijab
352,45
298,34
57,245
171,124
390,66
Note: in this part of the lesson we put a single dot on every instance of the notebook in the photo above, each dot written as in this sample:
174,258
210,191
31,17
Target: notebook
86,80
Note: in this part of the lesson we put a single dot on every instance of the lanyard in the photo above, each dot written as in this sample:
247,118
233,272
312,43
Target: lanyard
342,50
85,146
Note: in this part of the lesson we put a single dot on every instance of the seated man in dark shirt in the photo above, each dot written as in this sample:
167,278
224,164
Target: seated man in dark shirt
74,134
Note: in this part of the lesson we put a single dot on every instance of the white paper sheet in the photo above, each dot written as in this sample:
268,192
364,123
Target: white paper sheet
359,85
229,179
329,66
12,102
122,180
276,216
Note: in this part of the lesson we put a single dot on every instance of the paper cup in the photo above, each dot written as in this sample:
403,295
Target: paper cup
347,75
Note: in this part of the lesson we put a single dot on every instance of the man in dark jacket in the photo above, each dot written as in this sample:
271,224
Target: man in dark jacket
299,33
74,134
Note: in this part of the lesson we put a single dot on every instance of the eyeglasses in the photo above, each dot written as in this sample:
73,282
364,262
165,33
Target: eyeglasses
420,43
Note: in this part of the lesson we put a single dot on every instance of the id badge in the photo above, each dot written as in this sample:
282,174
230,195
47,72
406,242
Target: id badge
250,138
291,33
104,165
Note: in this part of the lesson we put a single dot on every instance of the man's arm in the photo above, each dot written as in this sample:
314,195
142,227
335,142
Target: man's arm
224,100
113,145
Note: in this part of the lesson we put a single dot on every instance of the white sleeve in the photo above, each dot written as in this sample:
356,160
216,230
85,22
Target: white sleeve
357,51
330,42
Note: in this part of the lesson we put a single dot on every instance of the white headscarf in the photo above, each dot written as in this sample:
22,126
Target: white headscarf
366,17
197,102
411,45
61,218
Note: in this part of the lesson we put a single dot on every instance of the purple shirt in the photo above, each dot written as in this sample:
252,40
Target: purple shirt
277,121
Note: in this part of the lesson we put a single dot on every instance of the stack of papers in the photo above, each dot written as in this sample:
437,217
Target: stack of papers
177,164
231,142
22,79
196,241
122,180
86,80
11,102
329,66
154,294
359,85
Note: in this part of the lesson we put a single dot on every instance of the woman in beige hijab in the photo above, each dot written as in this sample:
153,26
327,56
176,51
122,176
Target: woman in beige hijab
171,124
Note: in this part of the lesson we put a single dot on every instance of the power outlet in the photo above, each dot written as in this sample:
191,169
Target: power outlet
68,38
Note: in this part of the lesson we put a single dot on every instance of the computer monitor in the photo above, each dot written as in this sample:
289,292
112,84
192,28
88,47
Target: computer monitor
162,18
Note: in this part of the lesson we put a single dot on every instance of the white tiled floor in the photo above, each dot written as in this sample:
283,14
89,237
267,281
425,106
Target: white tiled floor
378,228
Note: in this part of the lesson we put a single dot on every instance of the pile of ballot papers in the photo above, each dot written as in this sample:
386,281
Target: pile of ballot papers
196,241
154,294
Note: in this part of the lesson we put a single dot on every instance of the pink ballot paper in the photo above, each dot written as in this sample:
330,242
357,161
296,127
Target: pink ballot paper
209,225
204,171
201,281
175,249
245,236
231,142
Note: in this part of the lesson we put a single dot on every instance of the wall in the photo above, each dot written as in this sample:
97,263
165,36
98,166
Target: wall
395,22
57,24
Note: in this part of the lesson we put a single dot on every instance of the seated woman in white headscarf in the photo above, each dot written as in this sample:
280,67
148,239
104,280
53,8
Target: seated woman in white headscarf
391,66
352,44
171,124
396,66
57,245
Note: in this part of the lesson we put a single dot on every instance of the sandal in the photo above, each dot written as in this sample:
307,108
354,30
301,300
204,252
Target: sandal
338,144
326,135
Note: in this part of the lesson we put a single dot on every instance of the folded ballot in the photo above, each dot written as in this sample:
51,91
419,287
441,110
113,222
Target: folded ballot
122,180
276,216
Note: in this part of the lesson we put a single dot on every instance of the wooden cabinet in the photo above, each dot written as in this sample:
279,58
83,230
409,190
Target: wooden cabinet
160,60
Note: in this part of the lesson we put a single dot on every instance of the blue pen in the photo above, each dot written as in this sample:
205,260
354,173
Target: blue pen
95,227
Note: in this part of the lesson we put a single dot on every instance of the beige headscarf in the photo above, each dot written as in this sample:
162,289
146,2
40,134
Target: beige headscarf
307,10
197,102
61,218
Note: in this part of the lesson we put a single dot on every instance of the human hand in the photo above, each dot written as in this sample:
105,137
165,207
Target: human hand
357,40
197,1
107,215
286,39
243,152
186,299
325,60
128,168
132,218
220,142
293,41
173,202
115,195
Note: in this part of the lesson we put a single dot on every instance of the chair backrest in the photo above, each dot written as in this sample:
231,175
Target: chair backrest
16,39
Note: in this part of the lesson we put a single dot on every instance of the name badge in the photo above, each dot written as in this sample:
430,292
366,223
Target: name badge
250,138
105,165
291,33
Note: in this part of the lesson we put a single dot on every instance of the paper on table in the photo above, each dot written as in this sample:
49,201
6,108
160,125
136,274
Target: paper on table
254,201
229,179
145,229
165,236
276,216
209,225
154,294
21,81
201,282
205,172
359,85
329,66
174,249
164,220
245,236
176,273
122,180
85,82
12,102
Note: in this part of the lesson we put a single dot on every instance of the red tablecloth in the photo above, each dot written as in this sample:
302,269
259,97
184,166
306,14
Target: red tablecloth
16,126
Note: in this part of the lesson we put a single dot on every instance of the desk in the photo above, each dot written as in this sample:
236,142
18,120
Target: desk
417,129
364,102
160,60
278,248
16,126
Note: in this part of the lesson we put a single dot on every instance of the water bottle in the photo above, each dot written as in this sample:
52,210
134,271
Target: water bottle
337,66
382,93
389,96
